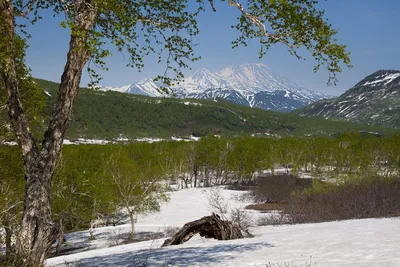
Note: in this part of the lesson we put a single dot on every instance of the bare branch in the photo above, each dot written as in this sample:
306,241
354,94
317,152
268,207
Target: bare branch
28,6
66,6
212,5
11,207
151,21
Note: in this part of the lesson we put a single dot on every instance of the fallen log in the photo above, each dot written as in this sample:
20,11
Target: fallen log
208,227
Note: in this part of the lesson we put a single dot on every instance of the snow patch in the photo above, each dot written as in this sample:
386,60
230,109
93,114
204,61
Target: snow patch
387,79
47,93
187,103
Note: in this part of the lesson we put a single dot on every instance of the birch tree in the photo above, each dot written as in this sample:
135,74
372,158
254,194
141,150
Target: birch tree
137,182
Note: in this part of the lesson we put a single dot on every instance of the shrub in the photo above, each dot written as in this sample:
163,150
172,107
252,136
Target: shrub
242,218
244,185
378,197
273,219
278,188
170,231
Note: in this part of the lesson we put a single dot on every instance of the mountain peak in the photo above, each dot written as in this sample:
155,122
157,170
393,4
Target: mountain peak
374,100
251,84
380,77
249,67
121,89
254,65
201,72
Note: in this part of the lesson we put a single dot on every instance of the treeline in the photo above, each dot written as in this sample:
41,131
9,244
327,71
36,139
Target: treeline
108,115
96,181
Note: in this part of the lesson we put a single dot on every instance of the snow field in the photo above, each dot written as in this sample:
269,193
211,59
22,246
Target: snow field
368,242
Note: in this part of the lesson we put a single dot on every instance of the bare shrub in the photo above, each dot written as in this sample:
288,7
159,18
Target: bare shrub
170,231
115,239
123,238
244,197
310,263
371,198
239,217
278,188
216,201
142,236
245,185
72,264
242,218
273,219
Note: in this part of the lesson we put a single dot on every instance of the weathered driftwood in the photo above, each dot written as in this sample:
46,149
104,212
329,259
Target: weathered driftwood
208,227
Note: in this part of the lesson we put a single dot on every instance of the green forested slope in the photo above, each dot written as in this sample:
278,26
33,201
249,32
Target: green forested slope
108,115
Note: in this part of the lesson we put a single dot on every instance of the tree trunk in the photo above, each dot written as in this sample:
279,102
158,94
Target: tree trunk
9,233
195,173
186,181
91,234
37,232
132,219
61,237
206,178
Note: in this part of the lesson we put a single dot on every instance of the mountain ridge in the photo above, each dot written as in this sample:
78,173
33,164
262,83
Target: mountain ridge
373,100
109,115
250,84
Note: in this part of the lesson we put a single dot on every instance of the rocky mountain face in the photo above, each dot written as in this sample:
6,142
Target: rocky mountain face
374,100
253,85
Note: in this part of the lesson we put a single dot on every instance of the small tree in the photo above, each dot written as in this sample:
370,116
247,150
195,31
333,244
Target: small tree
81,192
138,183
192,162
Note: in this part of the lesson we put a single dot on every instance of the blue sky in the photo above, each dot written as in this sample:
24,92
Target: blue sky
367,27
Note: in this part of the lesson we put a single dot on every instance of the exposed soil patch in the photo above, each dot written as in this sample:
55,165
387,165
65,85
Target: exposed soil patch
265,207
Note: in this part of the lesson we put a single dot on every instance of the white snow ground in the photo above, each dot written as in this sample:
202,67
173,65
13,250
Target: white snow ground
368,242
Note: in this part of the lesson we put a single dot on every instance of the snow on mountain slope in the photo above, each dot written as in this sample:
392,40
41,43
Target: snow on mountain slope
121,89
145,87
201,80
374,100
238,84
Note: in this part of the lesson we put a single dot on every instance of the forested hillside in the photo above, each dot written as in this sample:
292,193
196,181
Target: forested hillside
109,115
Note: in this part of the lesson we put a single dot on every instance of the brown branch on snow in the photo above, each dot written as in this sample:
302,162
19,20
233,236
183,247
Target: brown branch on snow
257,22
209,227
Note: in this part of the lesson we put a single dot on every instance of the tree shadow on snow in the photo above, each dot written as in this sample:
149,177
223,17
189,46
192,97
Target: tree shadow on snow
174,256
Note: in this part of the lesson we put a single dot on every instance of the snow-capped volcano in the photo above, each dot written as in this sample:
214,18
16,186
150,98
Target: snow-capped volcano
201,80
253,85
